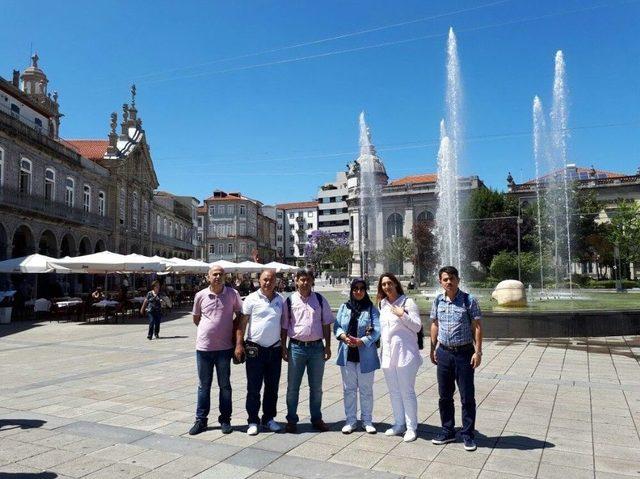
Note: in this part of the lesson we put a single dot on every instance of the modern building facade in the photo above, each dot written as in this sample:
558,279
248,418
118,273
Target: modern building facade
295,222
333,213
234,228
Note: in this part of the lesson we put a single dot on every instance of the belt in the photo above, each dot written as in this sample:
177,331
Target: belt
251,343
305,343
455,349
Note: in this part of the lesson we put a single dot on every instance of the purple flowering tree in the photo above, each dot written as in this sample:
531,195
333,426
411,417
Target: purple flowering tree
328,249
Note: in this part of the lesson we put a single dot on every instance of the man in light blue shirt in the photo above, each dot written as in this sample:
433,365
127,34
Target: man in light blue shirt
456,349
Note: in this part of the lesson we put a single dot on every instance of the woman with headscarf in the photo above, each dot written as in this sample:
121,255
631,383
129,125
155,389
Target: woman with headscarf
357,327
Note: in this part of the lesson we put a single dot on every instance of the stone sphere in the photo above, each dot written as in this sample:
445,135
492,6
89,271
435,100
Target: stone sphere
510,292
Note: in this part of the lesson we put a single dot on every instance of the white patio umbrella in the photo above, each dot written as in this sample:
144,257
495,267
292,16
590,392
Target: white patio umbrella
250,267
280,267
189,266
34,263
228,266
108,262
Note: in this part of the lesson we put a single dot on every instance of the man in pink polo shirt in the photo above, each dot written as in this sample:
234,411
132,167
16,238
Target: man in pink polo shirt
306,322
216,343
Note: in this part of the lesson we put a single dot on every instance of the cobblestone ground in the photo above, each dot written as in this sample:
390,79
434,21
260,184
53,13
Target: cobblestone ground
101,401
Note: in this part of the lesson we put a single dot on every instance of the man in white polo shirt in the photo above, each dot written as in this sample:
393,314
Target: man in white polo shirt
262,316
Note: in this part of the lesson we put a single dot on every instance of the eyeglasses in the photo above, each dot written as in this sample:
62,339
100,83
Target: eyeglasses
358,289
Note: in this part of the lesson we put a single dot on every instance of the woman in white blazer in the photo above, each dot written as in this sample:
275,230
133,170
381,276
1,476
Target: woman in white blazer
400,356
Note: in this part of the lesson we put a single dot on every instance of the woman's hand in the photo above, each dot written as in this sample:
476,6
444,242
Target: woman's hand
398,311
356,342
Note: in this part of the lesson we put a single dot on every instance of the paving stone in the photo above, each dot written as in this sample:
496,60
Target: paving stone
82,466
151,459
253,458
117,452
511,466
400,465
103,431
315,450
119,470
186,466
437,470
618,466
310,469
555,471
224,469
357,457
49,459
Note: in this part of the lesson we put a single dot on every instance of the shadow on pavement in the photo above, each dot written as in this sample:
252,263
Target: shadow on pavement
29,475
6,424
18,327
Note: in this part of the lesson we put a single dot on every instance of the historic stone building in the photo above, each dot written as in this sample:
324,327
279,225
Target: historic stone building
402,203
295,221
235,228
73,197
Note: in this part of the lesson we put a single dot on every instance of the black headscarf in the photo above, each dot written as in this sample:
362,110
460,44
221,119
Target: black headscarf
353,304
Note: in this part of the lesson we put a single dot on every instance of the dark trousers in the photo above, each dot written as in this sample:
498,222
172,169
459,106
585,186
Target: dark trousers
154,323
454,367
264,368
205,361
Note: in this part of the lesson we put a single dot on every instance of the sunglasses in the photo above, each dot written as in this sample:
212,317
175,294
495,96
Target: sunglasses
359,289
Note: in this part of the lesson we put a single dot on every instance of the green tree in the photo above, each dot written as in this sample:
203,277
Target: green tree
625,232
505,266
425,253
396,251
340,257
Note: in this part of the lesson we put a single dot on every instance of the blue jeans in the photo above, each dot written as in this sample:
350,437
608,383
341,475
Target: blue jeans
311,358
205,361
455,367
154,323
265,368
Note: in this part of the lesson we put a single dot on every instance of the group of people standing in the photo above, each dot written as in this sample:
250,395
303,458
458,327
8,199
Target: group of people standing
267,329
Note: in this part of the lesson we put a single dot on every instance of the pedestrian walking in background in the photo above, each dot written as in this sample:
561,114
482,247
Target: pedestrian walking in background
152,307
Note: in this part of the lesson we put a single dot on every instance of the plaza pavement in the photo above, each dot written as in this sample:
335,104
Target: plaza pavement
101,401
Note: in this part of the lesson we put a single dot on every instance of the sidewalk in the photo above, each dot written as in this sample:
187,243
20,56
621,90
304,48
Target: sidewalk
101,401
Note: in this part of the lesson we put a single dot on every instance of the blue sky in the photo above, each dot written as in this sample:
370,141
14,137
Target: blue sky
226,106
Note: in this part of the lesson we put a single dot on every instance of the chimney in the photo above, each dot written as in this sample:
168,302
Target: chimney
16,78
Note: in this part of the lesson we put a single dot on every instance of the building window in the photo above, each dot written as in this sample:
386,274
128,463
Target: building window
243,248
134,210
25,177
170,229
280,239
122,206
425,216
243,210
279,227
145,216
15,109
279,214
212,249
102,203
310,214
158,224
221,209
243,229
38,122
221,249
49,184
230,209
69,192
229,248
292,215
309,225
200,221
86,198
165,227
292,251
394,226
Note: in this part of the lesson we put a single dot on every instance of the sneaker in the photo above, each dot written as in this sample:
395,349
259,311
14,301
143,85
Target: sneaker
199,426
469,444
320,426
395,431
410,436
274,426
148,337
252,430
370,428
291,428
157,336
348,428
442,439
225,427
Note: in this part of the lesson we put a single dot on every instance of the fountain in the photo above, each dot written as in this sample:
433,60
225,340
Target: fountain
369,197
448,212
554,198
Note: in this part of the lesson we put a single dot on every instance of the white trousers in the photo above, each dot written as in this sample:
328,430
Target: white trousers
401,382
354,382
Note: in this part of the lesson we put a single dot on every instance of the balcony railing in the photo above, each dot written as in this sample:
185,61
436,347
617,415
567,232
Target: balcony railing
175,242
54,209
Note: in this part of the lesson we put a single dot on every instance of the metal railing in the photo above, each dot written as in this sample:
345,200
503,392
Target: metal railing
10,196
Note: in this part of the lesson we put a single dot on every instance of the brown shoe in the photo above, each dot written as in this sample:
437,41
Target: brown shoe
320,426
291,428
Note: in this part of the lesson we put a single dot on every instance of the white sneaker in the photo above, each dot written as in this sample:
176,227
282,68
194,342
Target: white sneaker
370,428
410,436
348,428
395,431
274,426
252,430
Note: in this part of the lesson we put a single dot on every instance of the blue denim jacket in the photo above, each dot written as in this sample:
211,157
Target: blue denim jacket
369,360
